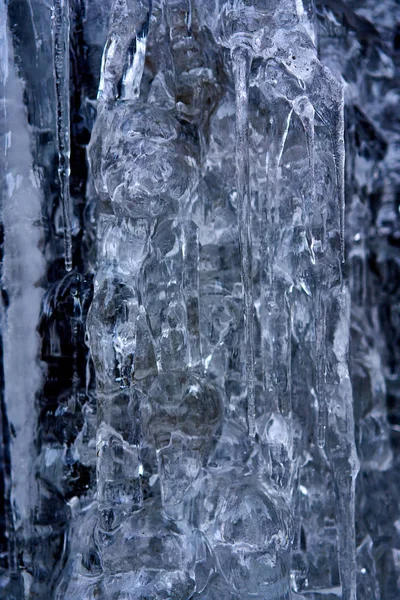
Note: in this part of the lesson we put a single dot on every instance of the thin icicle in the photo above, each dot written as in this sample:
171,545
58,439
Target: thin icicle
342,451
241,65
324,86
60,23
269,225
339,156
305,111
106,91
345,489
190,275
320,326
76,322
336,115
280,127
282,350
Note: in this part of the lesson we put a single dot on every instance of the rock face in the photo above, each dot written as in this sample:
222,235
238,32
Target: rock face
200,325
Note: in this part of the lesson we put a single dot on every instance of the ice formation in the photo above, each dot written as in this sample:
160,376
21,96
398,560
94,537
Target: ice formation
200,340
61,31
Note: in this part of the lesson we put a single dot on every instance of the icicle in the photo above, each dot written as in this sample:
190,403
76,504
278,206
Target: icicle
345,489
269,224
106,87
189,18
324,86
342,451
241,66
305,111
76,322
280,127
60,24
339,156
190,275
282,350
320,326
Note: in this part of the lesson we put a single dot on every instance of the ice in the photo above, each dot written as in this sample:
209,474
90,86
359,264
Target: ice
320,334
21,274
241,64
61,32
206,404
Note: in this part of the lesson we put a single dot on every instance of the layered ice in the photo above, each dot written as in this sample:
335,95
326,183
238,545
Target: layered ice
182,160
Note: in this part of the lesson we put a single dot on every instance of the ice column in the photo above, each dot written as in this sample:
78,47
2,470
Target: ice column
60,23
219,325
23,270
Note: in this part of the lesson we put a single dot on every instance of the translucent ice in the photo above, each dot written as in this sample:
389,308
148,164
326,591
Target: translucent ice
61,32
206,405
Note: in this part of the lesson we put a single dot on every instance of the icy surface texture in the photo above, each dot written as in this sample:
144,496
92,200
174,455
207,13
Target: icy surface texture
219,325
366,52
218,416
